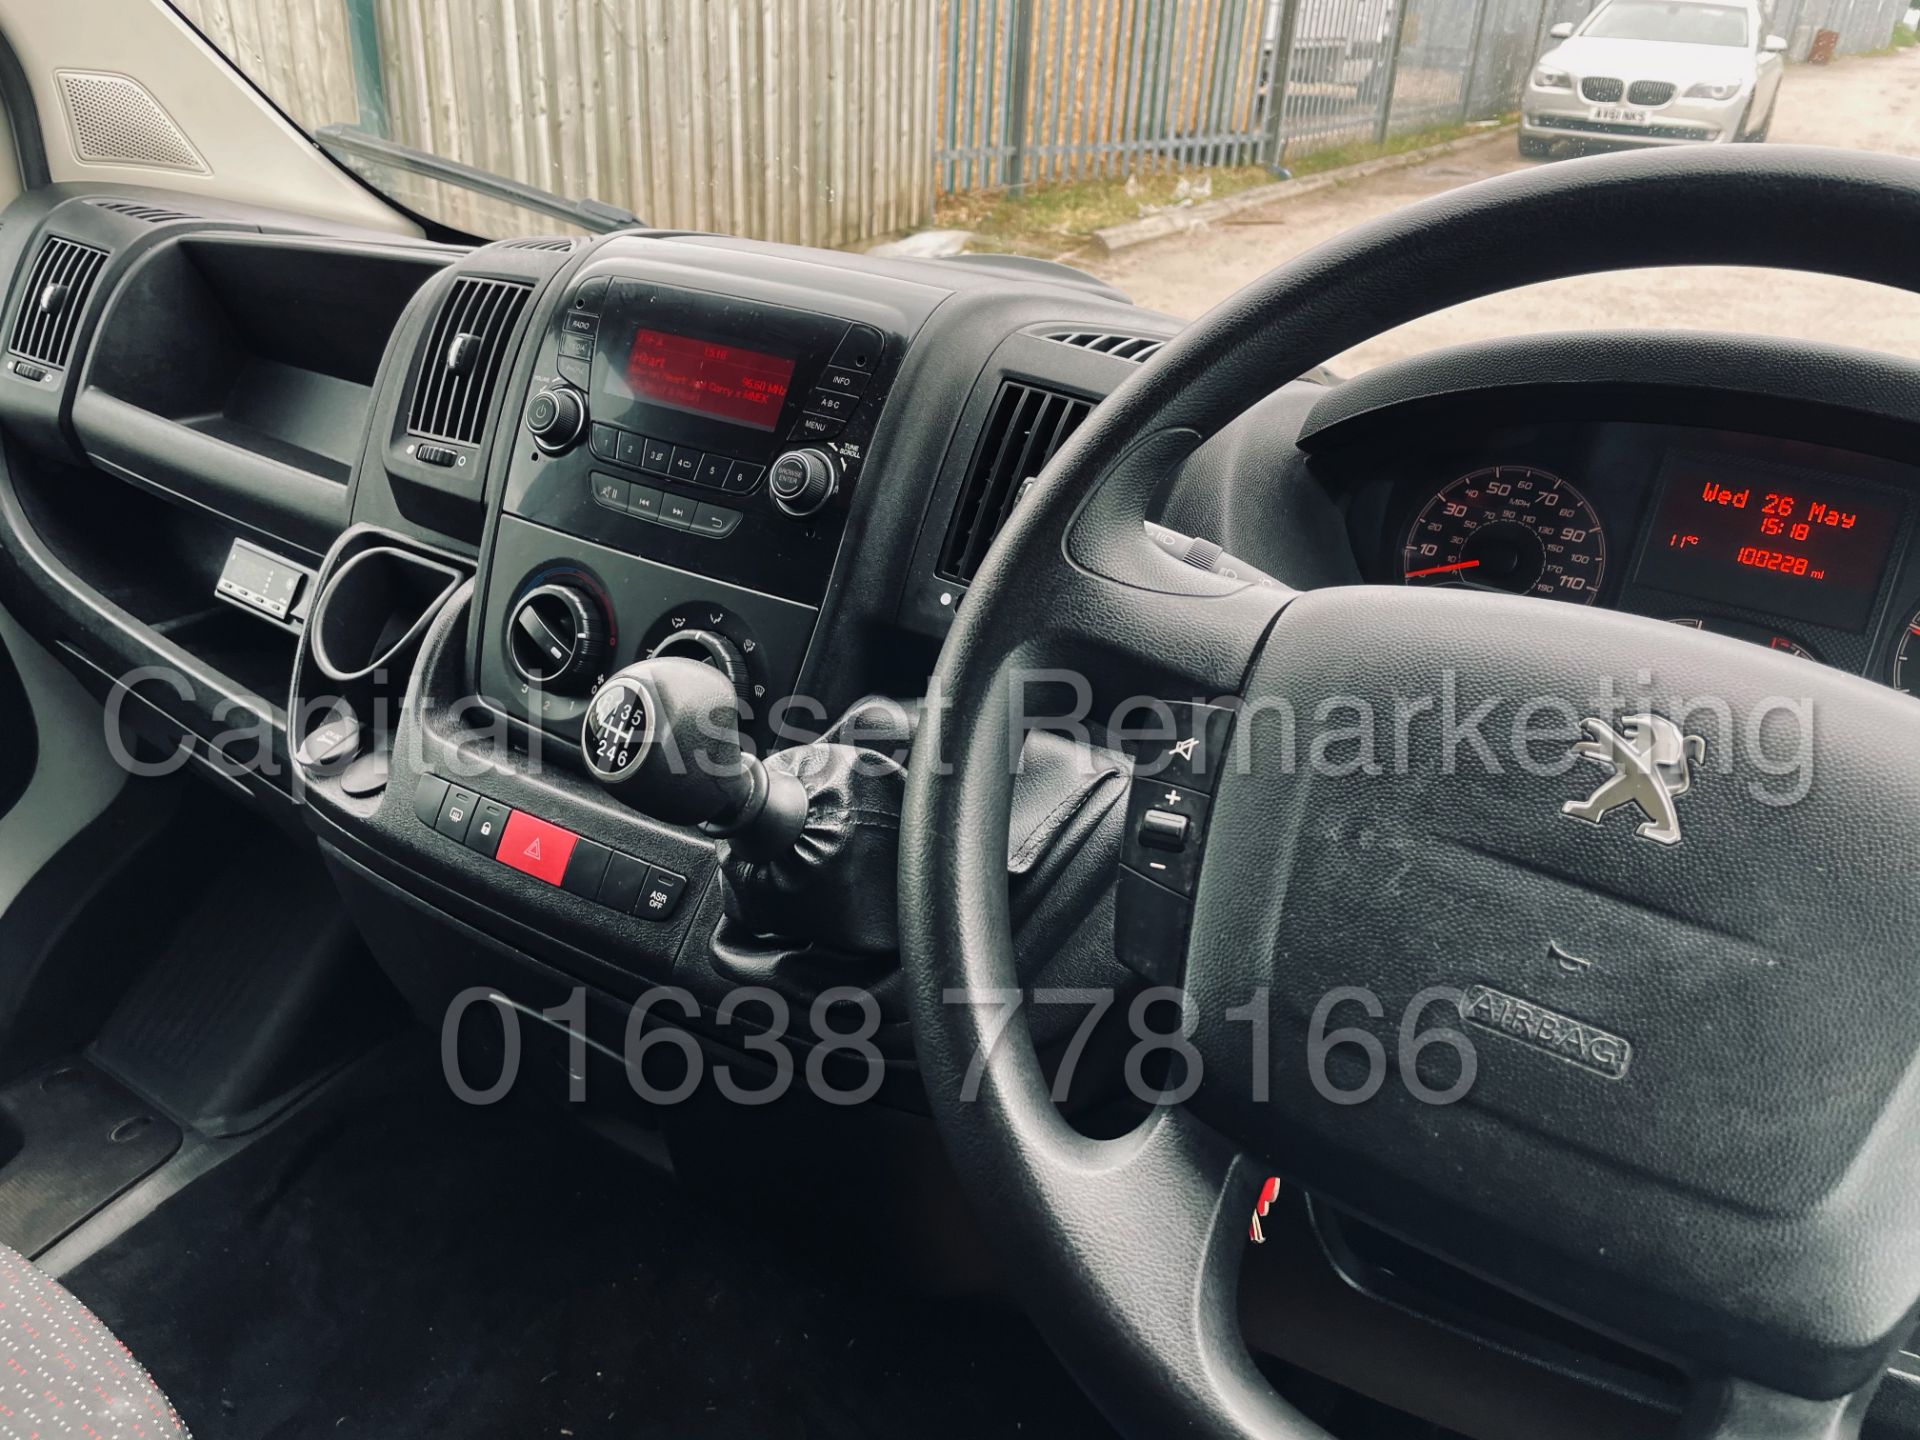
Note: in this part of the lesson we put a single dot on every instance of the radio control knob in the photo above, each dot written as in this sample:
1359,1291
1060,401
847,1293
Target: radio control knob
802,481
709,647
556,417
557,638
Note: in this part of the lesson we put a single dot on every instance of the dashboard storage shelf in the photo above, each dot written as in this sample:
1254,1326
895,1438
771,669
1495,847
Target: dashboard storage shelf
239,372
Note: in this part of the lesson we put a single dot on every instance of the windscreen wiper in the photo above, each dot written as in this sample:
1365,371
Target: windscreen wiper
357,148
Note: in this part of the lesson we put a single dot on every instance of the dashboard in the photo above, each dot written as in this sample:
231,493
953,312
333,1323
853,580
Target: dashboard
384,515
1800,548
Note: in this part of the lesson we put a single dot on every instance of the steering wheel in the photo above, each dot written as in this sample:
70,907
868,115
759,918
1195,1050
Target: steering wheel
1704,1142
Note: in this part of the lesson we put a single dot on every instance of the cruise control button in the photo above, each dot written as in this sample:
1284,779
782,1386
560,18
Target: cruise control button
660,895
677,511
714,520
456,813
656,456
620,887
630,448
742,477
685,464
536,847
489,819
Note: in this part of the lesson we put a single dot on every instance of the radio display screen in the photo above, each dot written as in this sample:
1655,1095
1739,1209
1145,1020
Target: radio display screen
1799,546
729,383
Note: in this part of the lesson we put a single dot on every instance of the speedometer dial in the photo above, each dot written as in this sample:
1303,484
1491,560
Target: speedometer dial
1509,527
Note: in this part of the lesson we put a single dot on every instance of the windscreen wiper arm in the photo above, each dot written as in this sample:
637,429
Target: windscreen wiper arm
348,143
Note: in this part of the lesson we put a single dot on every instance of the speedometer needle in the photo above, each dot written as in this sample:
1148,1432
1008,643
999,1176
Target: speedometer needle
1442,569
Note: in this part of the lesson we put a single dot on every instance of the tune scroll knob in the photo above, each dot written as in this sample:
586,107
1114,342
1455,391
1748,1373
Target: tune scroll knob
555,417
711,648
802,481
557,638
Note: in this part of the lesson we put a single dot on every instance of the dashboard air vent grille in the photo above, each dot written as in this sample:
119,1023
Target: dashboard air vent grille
461,361
1138,348
540,242
56,295
152,214
1024,429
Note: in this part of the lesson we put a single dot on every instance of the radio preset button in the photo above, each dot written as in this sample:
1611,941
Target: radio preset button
605,442
630,447
713,472
742,477
685,464
656,456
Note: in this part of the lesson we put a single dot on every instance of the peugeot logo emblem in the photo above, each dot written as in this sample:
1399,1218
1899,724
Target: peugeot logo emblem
1652,763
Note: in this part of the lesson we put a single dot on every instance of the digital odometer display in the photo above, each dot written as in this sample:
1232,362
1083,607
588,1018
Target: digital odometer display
1797,545
706,377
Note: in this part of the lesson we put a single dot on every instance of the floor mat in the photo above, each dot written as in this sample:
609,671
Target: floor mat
83,1139
392,1262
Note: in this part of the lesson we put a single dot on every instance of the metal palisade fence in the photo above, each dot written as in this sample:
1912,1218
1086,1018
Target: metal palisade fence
831,122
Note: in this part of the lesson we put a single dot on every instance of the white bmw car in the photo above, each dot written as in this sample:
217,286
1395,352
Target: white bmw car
1655,72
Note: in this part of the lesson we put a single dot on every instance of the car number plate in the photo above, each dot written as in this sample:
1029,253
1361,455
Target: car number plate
1621,115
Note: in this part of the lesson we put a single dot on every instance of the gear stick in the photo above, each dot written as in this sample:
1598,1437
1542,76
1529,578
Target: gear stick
664,737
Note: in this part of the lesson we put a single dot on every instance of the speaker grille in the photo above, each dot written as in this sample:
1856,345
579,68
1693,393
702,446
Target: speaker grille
116,121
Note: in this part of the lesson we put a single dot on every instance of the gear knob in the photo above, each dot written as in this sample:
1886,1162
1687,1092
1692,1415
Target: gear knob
664,737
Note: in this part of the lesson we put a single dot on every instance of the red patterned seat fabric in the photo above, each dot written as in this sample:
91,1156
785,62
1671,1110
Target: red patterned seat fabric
62,1372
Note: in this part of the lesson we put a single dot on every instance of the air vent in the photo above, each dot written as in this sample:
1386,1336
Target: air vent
55,297
1138,348
1026,426
540,242
152,214
460,363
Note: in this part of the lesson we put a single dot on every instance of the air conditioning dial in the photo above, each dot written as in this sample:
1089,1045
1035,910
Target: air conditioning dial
803,480
711,648
557,638
556,417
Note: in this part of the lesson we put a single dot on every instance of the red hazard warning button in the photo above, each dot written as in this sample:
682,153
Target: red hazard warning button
535,846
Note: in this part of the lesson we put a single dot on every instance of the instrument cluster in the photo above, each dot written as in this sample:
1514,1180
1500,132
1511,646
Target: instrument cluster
1793,547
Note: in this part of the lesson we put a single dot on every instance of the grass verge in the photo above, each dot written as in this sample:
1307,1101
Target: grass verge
1058,219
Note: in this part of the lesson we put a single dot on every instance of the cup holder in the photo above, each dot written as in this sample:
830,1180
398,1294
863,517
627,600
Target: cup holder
374,609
